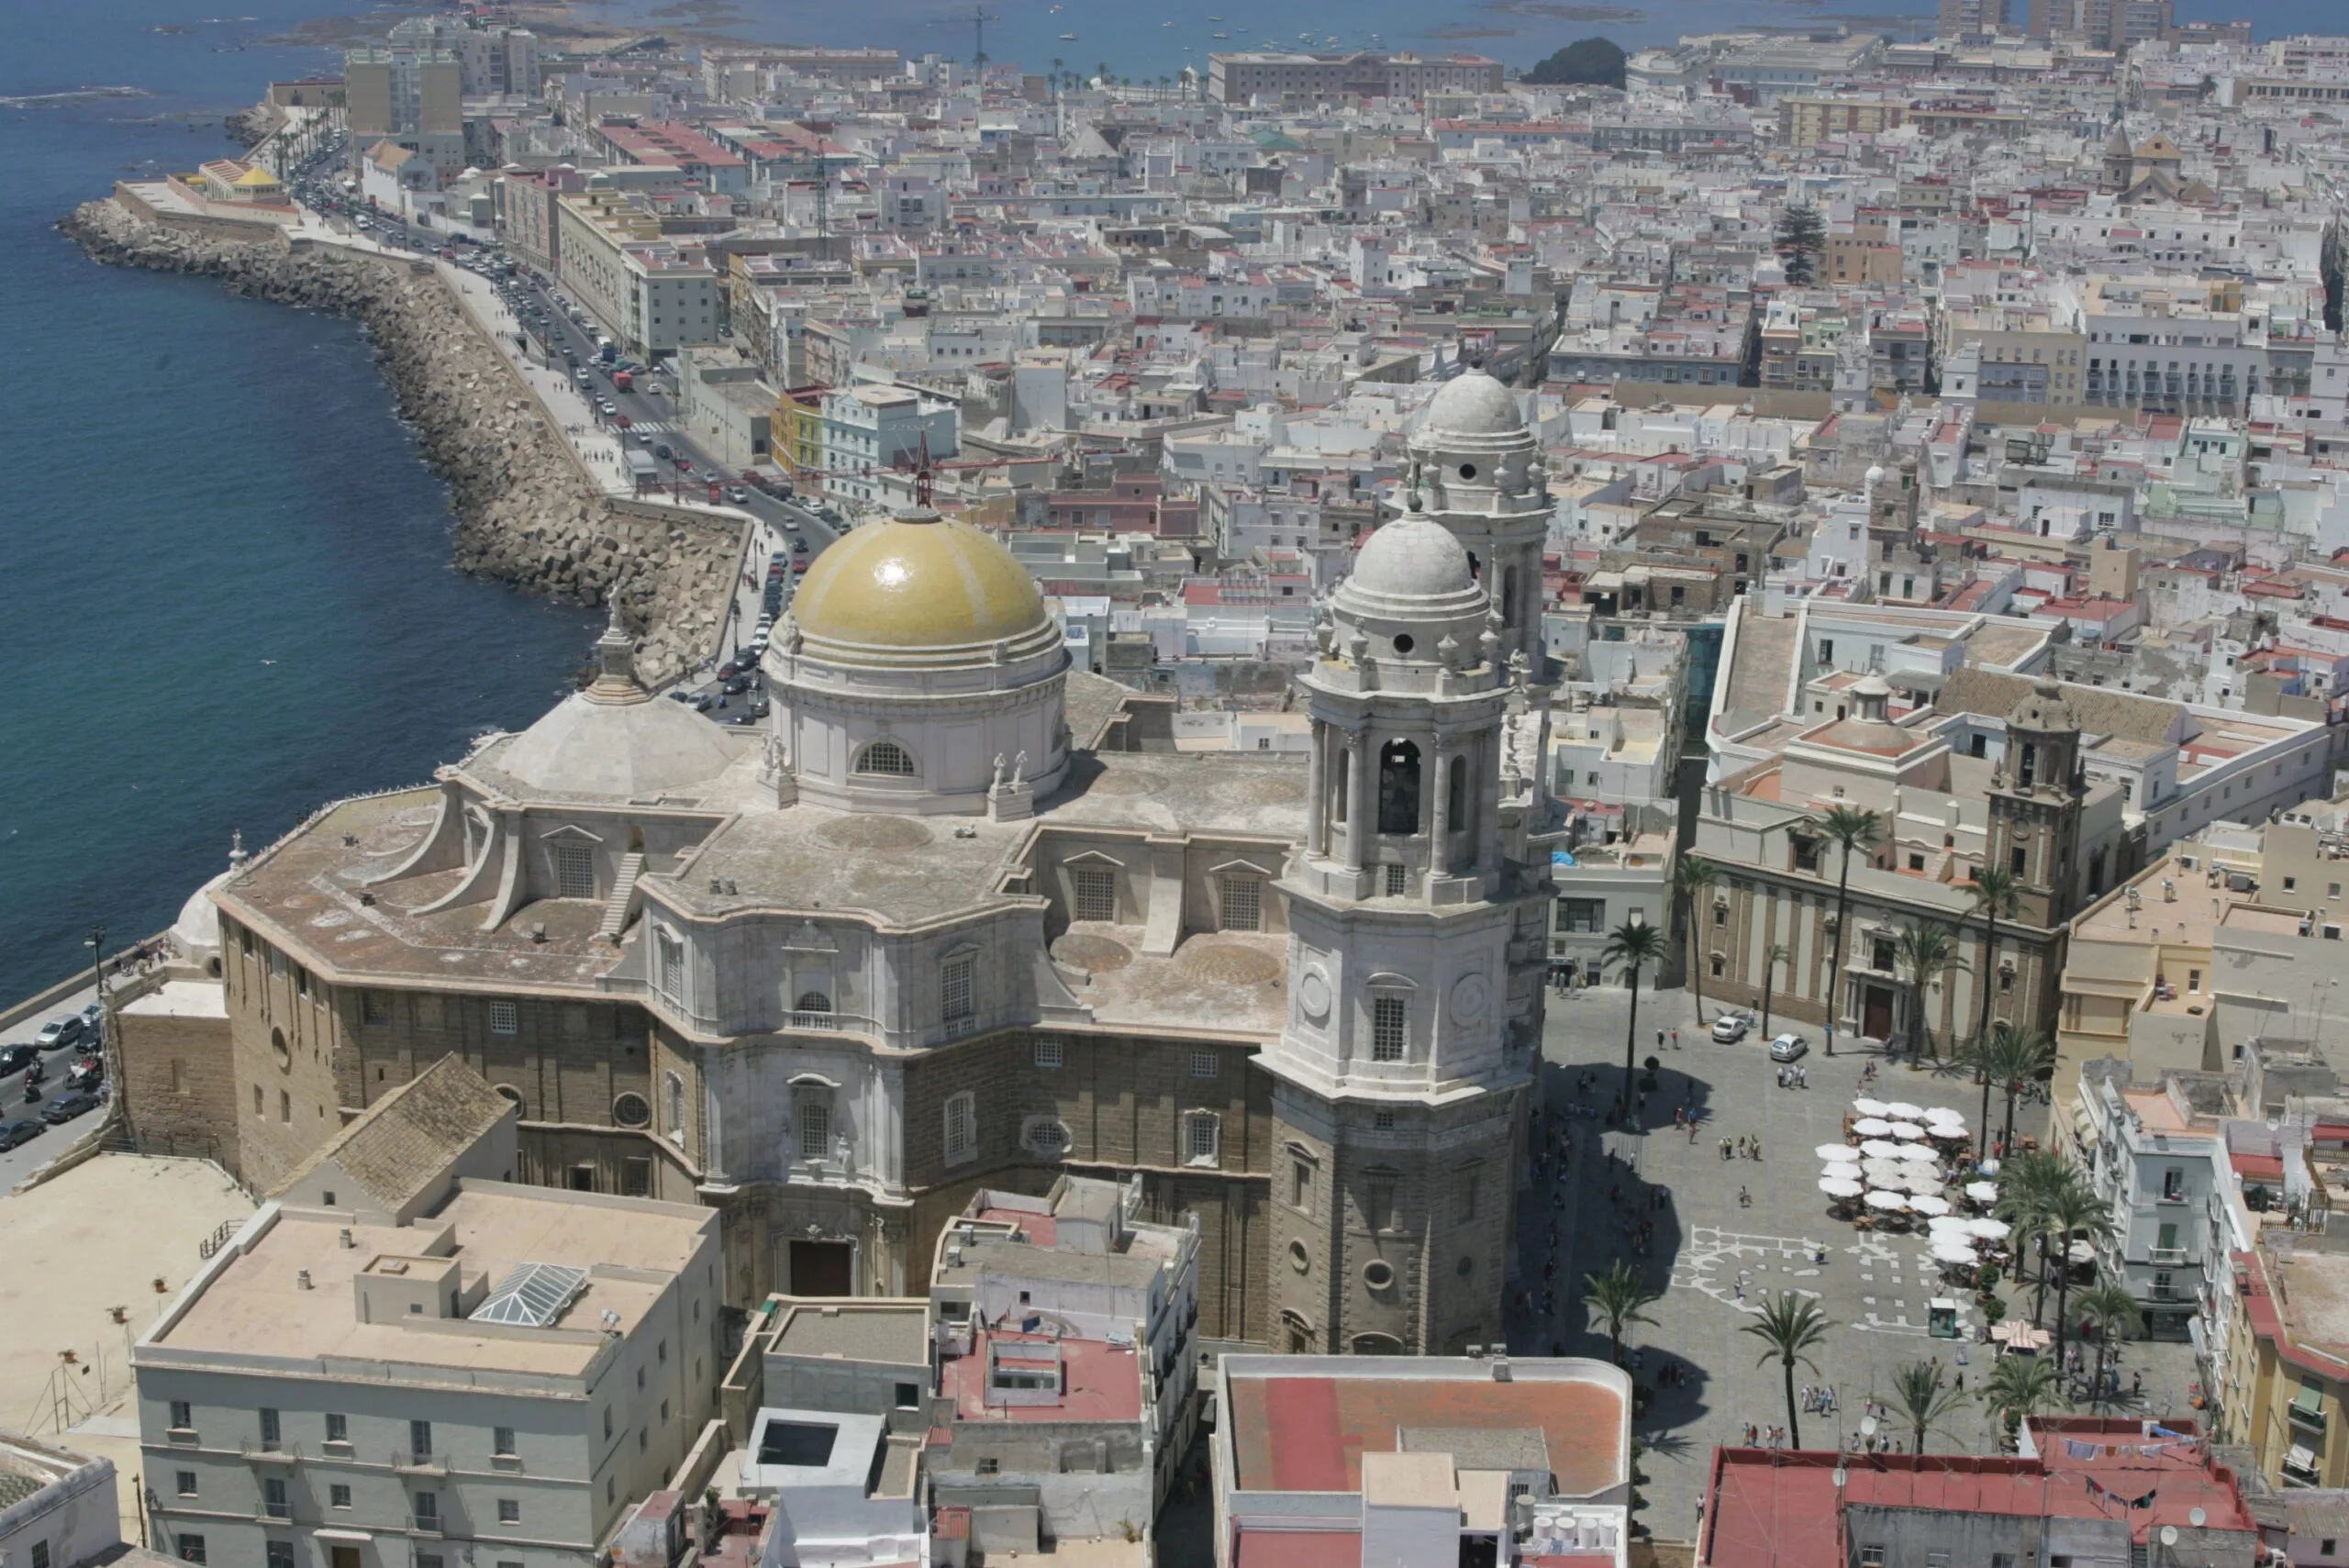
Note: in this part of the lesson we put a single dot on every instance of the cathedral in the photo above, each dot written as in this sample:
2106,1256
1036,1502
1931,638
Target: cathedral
963,917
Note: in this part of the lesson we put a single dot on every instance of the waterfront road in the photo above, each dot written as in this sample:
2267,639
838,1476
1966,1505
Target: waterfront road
16,1163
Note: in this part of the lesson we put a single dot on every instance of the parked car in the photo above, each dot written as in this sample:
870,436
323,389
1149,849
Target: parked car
59,1033
737,495
12,1133
65,1107
1731,1028
1788,1047
93,1016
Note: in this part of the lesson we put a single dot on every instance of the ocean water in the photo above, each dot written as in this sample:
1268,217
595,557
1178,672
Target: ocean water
224,595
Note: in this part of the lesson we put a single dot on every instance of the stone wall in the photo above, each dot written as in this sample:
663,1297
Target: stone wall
527,514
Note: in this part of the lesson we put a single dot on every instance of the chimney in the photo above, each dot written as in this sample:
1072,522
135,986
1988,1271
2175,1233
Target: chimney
302,1280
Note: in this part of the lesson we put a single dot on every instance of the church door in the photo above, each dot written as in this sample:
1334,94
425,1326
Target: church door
821,1268
1876,1013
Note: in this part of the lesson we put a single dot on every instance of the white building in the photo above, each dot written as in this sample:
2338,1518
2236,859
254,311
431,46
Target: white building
57,1507
406,1360
867,429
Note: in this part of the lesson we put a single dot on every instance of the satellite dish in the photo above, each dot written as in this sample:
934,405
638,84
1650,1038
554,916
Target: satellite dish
2169,1535
1842,1476
2195,1518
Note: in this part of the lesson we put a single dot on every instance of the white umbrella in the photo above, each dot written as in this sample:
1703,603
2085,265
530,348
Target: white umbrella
1880,1149
1840,1187
1837,1153
1982,1192
1988,1229
1948,1225
1866,1107
1887,1201
1907,1129
1881,1171
1871,1127
1930,1204
1953,1252
1916,1153
1918,1181
1942,1113
1903,1110
2081,1252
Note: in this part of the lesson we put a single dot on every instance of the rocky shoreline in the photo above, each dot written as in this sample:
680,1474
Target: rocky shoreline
526,512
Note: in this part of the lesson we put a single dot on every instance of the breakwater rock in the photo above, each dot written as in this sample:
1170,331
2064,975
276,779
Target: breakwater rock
527,512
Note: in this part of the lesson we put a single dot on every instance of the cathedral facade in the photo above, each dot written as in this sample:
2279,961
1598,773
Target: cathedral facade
962,916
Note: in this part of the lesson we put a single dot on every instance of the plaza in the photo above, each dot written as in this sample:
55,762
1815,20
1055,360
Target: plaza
1717,1260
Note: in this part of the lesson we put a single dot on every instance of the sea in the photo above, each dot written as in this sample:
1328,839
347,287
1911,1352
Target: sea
225,591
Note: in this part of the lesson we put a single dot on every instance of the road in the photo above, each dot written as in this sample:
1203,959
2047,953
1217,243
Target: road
17,1164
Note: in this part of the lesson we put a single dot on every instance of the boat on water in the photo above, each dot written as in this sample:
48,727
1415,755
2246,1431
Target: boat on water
1068,38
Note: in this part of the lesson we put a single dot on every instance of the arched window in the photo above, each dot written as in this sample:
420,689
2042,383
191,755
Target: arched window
812,1002
1377,1345
887,757
1399,788
815,1125
1455,810
1337,792
1509,595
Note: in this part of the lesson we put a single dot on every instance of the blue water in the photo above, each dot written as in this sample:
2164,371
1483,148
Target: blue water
225,595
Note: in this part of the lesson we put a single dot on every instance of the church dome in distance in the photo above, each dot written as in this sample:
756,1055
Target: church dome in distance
2045,708
1412,557
1472,404
918,584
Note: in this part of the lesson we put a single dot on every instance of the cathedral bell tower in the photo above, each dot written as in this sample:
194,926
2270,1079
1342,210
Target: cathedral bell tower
1480,474
1415,965
2035,796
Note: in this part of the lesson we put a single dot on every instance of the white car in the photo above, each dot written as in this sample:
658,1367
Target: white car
1788,1047
1729,1027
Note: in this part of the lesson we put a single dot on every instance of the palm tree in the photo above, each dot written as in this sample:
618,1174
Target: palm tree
1692,875
1924,1401
2027,1184
1618,1298
1775,955
1791,1326
2075,1212
2023,1385
1638,944
2114,1312
2016,1056
1993,891
1925,950
1852,829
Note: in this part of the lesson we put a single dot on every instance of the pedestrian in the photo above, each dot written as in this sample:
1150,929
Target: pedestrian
1675,1040
1724,1148
1659,1040
1744,1199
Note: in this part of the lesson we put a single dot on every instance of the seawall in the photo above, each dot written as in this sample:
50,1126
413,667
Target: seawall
526,512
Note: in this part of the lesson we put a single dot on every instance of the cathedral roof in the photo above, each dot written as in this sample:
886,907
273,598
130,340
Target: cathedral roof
1413,557
1472,404
919,583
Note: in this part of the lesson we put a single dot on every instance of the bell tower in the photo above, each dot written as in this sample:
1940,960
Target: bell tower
2034,797
1415,958
1480,474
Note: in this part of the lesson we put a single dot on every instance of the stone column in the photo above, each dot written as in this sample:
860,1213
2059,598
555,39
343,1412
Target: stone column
1440,812
1360,806
1316,821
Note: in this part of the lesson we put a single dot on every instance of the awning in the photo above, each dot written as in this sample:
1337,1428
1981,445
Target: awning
2302,1459
359,1536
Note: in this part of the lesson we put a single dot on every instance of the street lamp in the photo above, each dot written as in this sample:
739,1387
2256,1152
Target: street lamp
109,1025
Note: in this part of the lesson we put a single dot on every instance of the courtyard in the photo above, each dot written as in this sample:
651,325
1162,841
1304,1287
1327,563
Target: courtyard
1718,1261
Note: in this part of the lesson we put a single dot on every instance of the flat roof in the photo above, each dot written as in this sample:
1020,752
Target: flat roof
865,1331
1101,1382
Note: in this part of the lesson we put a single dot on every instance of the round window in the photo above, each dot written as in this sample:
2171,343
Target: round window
1467,471
279,1049
1465,1267
629,1110
1298,1257
1378,1273
1405,643
1048,1138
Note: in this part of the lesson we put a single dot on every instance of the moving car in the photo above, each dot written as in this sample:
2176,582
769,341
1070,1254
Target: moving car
60,1033
1788,1047
16,1058
67,1107
1731,1028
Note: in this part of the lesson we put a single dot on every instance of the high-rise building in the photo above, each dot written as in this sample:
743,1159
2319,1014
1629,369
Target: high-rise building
1963,19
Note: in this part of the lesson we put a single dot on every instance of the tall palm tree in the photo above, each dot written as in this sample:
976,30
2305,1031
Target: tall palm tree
1772,956
2023,1385
1692,876
2031,1190
2016,1056
2114,1312
1993,891
1618,1298
1851,828
1926,950
2076,1213
1791,1326
1924,1400
1639,945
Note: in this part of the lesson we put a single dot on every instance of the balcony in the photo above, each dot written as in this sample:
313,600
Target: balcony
427,1524
2309,1416
2166,1257
419,1461
261,1452
277,1512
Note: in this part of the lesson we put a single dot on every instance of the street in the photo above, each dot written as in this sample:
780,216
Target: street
17,1164
1717,1260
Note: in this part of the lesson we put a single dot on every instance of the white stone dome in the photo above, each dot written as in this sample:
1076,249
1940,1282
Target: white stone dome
1412,557
196,935
1472,404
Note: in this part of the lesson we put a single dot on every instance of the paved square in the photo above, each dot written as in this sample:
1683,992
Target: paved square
1717,1259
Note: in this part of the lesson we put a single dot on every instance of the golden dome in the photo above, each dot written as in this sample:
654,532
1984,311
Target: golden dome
919,582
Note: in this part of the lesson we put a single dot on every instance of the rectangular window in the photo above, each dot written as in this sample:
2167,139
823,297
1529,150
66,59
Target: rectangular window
1206,1065
501,1442
374,1007
2017,860
1399,881
338,1495
955,991
505,1017
1096,892
636,1178
41,1557
2172,1185
183,1416
1586,916
1390,1019
673,965
338,1428
420,1440
1300,1186
575,870
1466,1208
187,1482
509,1510
275,1502
269,1427
815,1131
1048,1050
1378,1206
1200,1138
428,1510
192,1549
958,1130
1243,900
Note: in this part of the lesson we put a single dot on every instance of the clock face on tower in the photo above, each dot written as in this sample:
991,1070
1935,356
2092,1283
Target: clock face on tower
1469,995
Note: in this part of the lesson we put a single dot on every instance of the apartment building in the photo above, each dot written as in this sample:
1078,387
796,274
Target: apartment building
1236,78
405,1358
652,295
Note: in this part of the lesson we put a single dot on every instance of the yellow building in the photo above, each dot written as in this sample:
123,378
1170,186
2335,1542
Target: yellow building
799,433
2287,1365
228,180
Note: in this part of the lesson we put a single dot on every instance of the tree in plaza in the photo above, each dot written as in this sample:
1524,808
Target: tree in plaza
1692,876
2023,1385
2114,1311
1801,233
1993,891
1925,950
2075,1213
1638,945
1791,1326
1618,1298
2013,1057
1848,827
1773,956
1924,1400
2032,1189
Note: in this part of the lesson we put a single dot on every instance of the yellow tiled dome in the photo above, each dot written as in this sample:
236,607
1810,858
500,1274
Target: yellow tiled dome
919,582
